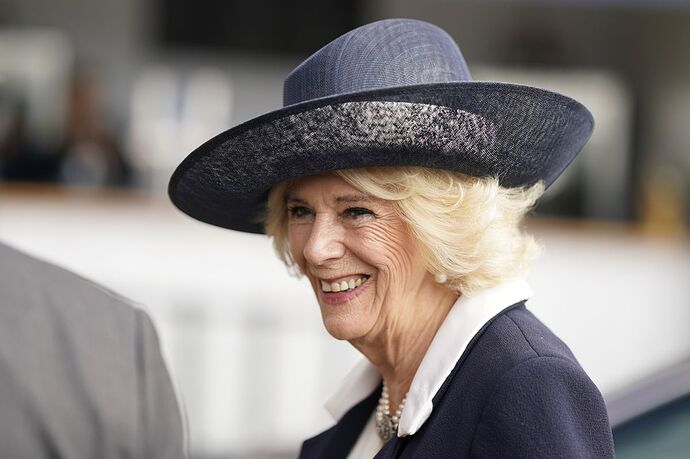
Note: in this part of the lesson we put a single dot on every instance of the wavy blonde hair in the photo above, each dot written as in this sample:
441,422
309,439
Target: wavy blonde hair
468,228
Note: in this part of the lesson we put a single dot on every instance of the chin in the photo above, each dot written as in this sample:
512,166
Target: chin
344,327
350,319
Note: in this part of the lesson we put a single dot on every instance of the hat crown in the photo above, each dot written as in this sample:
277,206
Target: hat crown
383,54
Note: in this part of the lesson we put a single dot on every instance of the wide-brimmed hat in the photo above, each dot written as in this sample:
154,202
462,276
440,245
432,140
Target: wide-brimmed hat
395,92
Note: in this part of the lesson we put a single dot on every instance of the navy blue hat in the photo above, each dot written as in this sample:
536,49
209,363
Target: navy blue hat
395,92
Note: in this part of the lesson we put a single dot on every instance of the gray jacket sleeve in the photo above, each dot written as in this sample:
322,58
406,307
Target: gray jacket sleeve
81,371
160,416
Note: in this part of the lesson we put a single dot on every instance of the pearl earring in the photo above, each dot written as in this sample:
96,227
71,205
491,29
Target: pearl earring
441,278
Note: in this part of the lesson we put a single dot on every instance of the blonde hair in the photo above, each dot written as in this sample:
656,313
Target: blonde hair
467,228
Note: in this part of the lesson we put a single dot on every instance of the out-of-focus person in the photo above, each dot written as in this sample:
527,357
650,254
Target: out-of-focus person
81,371
89,154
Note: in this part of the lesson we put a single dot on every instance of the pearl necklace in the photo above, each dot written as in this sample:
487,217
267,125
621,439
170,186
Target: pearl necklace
387,425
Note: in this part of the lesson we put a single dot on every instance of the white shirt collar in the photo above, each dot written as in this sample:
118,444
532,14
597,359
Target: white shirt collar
467,316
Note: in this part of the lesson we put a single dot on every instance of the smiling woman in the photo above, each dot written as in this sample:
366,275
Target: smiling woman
388,252
397,186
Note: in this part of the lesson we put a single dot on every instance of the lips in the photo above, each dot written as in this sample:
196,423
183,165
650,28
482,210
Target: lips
341,297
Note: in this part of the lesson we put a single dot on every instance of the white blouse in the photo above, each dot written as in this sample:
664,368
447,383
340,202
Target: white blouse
467,316
369,443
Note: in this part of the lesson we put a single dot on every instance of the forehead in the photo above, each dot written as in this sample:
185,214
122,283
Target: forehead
326,187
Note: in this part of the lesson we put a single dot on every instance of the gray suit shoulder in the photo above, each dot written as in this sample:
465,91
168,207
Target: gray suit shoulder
35,283
81,372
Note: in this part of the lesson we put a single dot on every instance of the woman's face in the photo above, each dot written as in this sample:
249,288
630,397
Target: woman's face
356,252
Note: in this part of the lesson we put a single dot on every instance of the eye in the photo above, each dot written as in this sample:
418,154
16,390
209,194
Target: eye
357,212
299,212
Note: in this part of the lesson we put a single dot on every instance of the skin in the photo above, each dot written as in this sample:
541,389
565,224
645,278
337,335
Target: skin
336,231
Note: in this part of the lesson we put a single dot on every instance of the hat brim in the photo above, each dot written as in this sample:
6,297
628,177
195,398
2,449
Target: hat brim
519,134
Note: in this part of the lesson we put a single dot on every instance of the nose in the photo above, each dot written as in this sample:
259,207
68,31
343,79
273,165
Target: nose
325,242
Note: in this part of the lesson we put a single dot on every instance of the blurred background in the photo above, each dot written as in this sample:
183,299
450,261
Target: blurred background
100,100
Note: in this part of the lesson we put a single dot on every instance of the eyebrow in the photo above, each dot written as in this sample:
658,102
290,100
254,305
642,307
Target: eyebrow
347,198
359,197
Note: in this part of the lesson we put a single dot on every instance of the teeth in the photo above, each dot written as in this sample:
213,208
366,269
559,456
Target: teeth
342,285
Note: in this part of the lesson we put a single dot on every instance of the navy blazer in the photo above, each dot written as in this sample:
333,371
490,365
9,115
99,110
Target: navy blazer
517,391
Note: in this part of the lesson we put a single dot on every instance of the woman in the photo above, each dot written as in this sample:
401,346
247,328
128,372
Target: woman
396,185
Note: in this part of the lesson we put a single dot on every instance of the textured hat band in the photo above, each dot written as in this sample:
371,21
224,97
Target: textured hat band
361,126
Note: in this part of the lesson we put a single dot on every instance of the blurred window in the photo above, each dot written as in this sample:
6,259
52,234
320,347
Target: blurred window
663,432
266,26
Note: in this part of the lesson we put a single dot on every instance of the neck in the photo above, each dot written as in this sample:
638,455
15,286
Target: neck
398,345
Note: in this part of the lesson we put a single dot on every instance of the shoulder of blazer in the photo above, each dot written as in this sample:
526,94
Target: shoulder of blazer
544,405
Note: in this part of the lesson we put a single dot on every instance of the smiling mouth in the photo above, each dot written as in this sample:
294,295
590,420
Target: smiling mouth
343,285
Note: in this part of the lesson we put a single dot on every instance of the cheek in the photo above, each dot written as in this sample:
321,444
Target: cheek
296,241
391,250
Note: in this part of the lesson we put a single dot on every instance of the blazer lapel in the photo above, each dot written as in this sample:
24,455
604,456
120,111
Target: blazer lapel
397,446
337,441
392,448
444,387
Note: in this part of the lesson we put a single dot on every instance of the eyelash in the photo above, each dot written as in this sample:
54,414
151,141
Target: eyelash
299,212
358,212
